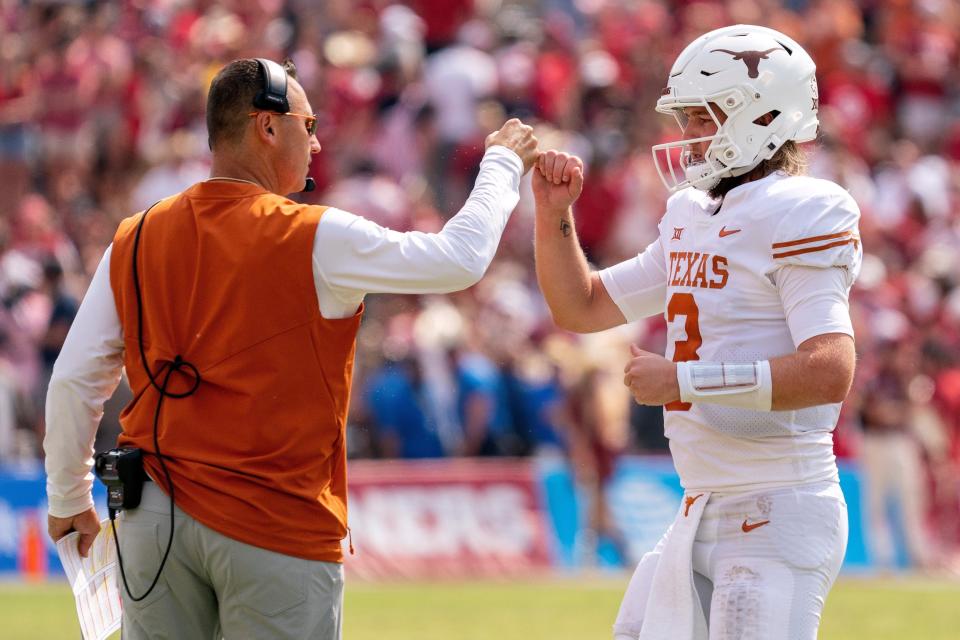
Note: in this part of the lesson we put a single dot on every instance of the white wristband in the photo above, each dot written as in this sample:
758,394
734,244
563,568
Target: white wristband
747,385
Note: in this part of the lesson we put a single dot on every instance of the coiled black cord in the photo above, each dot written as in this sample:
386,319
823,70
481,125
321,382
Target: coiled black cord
178,365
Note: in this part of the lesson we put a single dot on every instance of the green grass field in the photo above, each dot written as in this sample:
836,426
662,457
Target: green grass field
562,609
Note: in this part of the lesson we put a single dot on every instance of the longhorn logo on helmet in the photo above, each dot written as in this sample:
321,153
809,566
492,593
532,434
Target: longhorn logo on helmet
750,58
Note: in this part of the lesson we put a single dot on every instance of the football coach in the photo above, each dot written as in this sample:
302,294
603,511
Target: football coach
234,311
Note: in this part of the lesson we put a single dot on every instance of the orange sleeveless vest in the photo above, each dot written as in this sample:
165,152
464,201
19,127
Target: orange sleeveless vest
258,451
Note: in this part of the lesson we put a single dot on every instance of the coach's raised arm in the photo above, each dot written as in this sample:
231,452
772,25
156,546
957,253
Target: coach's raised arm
357,256
235,313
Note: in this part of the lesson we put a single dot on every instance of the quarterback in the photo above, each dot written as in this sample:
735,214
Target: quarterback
752,270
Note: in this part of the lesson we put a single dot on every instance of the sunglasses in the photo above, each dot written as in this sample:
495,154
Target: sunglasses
310,121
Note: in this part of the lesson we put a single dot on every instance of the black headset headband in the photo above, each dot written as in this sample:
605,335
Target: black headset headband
273,95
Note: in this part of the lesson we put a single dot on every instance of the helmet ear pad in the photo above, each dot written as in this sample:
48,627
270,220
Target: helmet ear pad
760,131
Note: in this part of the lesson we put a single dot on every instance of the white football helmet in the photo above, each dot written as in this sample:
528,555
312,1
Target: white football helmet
746,72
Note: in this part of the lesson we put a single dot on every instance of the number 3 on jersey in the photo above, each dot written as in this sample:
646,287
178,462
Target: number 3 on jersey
683,304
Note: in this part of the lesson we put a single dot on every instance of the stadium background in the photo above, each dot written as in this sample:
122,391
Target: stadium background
485,441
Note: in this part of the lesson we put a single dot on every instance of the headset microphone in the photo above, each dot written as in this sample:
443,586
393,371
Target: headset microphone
309,186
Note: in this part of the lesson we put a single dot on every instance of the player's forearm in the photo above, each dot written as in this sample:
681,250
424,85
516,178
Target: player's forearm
562,270
819,373
812,377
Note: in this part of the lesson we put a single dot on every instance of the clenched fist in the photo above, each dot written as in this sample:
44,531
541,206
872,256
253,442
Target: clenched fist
517,137
652,379
558,181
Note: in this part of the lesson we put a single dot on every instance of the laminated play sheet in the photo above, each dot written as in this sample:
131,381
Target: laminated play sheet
94,582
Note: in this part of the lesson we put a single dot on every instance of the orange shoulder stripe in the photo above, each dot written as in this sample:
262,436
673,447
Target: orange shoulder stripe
842,234
796,252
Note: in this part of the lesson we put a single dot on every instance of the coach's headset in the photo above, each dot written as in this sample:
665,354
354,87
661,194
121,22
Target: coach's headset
273,97
121,470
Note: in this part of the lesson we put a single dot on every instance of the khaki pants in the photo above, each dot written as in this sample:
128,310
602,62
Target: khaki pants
213,586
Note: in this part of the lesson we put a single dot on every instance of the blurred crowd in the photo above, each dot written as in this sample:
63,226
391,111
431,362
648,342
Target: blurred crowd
102,113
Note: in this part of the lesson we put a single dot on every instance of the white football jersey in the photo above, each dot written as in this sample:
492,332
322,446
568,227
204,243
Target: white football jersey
714,276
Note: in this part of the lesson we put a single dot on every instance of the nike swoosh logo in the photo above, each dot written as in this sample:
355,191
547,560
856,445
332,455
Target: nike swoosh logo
747,528
724,232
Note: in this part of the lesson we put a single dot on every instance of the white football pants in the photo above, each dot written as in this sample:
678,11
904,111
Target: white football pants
763,564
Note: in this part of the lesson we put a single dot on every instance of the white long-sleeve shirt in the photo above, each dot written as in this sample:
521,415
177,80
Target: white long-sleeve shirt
351,258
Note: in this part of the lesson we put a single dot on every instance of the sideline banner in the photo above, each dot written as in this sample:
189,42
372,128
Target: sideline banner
451,518
642,497
445,518
25,548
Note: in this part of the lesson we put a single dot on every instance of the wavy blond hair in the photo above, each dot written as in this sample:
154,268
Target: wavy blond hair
790,159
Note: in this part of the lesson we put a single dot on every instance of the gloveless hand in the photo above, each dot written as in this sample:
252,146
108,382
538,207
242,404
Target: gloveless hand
651,378
557,182
86,523
517,137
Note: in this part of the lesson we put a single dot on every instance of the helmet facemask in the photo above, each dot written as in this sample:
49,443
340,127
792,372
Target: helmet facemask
717,158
